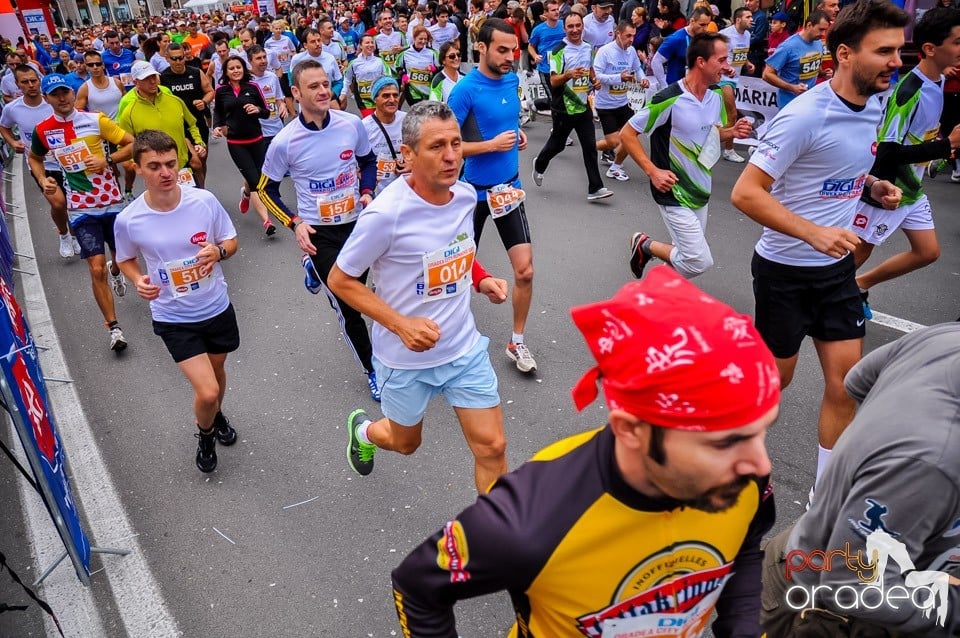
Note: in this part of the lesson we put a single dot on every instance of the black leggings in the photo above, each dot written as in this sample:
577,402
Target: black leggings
248,159
583,125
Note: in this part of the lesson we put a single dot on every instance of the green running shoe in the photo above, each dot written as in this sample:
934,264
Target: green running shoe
359,454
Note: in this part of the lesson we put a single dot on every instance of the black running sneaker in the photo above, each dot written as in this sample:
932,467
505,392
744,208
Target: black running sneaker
359,454
206,450
226,435
638,258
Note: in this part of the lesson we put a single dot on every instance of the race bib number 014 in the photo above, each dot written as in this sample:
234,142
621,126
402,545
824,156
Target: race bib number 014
447,271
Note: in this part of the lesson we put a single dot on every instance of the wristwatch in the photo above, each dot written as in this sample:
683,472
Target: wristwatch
223,253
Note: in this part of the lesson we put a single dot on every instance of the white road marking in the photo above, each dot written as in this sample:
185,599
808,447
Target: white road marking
139,601
895,322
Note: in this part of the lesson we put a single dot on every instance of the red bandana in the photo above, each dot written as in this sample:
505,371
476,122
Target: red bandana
673,356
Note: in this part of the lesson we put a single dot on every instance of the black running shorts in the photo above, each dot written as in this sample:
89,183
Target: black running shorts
612,120
795,301
57,175
513,227
217,335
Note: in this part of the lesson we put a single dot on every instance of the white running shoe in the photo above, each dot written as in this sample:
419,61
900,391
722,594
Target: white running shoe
602,193
76,244
520,354
537,177
618,174
732,156
66,246
117,341
117,281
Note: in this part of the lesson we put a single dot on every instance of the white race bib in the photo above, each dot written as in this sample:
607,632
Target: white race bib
186,276
447,272
503,199
710,151
688,624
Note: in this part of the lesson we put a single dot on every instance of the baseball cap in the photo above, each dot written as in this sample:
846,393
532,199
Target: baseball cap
782,17
51,82
142,69
230,19
181,24
603,3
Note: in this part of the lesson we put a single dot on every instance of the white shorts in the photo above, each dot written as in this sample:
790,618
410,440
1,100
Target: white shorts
873,225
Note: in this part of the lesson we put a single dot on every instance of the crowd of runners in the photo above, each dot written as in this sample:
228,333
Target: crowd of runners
401,130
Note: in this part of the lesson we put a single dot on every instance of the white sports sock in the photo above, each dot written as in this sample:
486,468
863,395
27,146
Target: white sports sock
362,432
616,167
516,339
823,455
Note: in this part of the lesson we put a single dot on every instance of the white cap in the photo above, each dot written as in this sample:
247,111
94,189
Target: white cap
142,69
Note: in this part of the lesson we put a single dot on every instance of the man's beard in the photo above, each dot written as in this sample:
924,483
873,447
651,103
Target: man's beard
729,493
866,85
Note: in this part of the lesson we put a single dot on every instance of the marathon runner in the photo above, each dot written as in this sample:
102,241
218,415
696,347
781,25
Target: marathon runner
416,66
117,60
616,66
360,75
487,105
24,113
803,268
631,528
193,87
426,340
385,131
323,149
331,41
908,133
599,25
571,79
272,93
544,37
738,36
686,123
389,41
78,141
669,63
182,234
283,49
443,30
794,66
313,50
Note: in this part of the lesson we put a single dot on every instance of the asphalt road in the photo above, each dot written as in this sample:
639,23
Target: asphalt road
322,568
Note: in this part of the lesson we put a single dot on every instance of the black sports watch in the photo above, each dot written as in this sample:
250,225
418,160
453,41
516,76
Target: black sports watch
223,253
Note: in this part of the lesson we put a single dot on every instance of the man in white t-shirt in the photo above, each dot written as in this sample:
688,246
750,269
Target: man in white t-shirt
183,233
738,36
803,184
417,240
384,128
443,30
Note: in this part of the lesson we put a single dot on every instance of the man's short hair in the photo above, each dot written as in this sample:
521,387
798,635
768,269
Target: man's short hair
623,25
815,18
307,33
858,19
935,26
25,68
92,54
739,13
703,46
152,140
175,46
418,115
700,12
490,25
110,34
569,15
305,65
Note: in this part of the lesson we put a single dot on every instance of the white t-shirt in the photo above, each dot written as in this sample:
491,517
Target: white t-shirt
165,238
269,85
8,86
322,165
447,33
739,46
386,162
283,48
819,153
392,238
327,61
609,62
598,33
25,119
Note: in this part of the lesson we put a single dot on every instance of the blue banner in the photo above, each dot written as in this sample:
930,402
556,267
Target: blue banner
33,420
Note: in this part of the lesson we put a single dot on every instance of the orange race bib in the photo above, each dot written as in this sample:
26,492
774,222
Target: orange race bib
185,177
503,199
338,207
186,276
71,158
446,272
386,169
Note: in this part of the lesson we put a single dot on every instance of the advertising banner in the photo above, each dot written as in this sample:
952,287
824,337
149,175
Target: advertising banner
23,390
756,101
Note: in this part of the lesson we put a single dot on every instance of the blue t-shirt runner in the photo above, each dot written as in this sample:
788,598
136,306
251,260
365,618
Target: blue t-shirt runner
485,108
796,61
543,38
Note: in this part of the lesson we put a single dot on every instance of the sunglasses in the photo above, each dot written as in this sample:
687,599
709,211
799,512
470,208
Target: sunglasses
453,56
94,64
177,59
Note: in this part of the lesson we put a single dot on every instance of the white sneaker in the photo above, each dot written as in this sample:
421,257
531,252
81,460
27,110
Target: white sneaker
117,342
66,247
520,354
603,193
955,177
76,244
117,281
537,177
618,174
732,156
